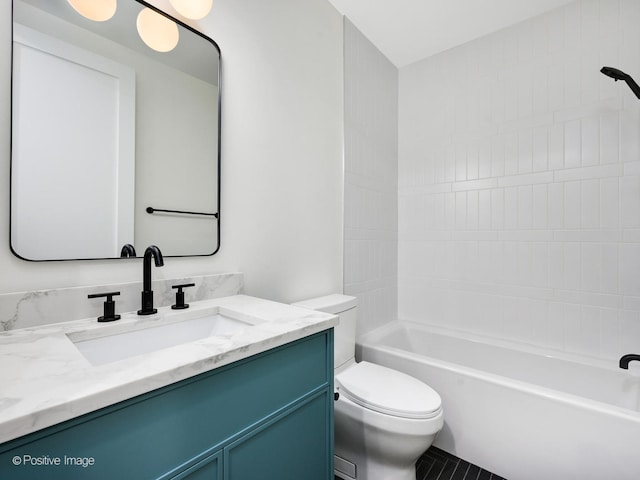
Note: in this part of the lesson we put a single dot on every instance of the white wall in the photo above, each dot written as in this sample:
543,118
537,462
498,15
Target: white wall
519,183
281,157
371,180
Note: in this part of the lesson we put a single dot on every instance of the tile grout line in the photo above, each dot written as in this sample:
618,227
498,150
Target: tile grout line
441,470
458,464
426,476
467,471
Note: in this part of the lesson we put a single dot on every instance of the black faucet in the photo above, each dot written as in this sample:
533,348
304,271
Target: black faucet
127,251
625,359
147,293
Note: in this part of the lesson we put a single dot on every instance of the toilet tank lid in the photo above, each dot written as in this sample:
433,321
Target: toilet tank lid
334,303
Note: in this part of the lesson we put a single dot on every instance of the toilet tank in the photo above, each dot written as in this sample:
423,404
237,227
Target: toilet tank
344,338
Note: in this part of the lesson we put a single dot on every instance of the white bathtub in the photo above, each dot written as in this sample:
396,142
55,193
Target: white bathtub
521,414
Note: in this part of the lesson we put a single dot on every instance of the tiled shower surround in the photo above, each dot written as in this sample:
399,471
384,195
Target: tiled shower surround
371,180
519,183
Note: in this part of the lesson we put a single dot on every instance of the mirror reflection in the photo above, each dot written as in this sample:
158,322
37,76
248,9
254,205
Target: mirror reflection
115,133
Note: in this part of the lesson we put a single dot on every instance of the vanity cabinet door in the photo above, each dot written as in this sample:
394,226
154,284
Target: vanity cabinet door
296,444
208,469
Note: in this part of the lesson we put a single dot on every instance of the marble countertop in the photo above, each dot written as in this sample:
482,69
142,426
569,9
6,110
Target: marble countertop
45,380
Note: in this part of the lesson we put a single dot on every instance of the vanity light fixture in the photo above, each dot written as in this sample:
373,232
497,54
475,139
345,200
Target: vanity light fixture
157,31
96,10
192,9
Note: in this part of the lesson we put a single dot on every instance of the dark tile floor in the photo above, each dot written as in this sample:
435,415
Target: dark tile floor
436,464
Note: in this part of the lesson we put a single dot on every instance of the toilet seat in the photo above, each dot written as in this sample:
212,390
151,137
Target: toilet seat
388,391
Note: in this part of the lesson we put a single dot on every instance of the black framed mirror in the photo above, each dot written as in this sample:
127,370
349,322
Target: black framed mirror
115,146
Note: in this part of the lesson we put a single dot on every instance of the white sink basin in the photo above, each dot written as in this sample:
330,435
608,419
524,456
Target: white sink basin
111,348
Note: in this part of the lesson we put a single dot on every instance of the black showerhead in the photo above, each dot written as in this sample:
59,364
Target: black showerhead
620,75
614,73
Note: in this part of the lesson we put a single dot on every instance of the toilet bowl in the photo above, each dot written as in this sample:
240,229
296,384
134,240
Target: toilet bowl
383,419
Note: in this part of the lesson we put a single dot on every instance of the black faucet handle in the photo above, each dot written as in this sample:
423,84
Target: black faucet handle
109,306
630,357
179,305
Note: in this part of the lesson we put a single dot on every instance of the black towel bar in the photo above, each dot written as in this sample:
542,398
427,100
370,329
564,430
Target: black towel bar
152,210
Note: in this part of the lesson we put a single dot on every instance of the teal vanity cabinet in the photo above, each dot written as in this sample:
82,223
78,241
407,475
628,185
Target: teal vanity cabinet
269,416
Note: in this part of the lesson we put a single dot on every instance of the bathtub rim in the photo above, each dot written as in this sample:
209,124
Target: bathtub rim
372,340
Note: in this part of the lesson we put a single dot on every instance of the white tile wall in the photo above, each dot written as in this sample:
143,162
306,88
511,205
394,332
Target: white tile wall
519,183
371,180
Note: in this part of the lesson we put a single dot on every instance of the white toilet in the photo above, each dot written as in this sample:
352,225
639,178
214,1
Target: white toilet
384,419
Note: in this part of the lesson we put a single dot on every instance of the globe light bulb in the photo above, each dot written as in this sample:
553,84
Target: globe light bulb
157,31
192,9
96,10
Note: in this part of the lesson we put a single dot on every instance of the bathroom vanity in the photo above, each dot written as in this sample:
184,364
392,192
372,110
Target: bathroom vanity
247,403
